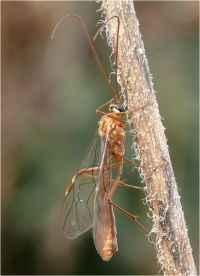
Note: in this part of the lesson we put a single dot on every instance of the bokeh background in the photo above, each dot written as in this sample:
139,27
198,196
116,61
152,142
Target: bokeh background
50,90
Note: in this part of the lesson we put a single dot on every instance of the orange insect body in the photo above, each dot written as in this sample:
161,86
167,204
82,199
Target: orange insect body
111,131
111,127
94,181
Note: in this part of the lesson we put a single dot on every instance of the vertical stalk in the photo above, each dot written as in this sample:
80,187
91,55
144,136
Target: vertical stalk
173,247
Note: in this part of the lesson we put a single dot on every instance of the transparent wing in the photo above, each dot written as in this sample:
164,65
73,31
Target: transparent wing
77,214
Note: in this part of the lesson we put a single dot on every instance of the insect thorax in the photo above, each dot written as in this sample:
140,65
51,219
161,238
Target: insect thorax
111,127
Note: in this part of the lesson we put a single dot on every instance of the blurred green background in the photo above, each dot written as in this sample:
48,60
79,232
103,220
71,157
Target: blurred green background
50,90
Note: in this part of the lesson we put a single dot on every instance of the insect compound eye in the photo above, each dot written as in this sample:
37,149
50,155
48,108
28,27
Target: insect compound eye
120,108
116,108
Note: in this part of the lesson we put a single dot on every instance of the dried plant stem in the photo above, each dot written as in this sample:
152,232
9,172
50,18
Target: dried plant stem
174,250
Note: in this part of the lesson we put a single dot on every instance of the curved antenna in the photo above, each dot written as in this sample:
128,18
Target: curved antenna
90,43
116,50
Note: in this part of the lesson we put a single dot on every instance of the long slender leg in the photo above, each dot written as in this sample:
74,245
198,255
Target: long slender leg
123,184
131,216
129,161
134,218
81,172
120,182
116,181
84,172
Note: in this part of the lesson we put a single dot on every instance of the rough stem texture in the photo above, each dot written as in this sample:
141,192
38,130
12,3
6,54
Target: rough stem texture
173,247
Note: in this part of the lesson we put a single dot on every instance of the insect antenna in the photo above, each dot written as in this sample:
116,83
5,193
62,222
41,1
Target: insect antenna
116,52
91,45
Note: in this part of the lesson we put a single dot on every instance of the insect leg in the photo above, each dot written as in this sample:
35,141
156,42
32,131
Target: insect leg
134,218
86,173
123,184
80,172
116,181
127,160
99,112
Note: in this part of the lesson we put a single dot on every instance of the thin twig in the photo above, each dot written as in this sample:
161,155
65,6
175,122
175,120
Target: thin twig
173,247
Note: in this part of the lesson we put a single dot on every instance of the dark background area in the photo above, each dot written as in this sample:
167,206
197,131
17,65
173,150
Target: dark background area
50,90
